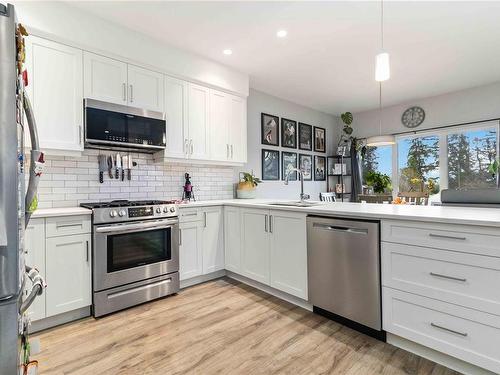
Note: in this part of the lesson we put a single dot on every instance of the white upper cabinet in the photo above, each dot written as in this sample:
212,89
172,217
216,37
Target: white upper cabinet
176,99
145,88
55,91
198,122
237,129
105,79
219,119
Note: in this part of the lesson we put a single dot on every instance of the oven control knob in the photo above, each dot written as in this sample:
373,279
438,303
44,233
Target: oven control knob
172,209
165,209
112,213
121,213
158,210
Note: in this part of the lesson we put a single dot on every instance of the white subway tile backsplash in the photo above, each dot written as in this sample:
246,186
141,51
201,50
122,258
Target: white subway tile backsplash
69,181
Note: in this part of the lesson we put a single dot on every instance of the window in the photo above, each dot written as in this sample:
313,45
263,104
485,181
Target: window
377,159
418,164
470,153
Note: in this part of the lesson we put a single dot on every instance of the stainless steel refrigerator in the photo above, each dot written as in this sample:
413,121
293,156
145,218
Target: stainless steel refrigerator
15,197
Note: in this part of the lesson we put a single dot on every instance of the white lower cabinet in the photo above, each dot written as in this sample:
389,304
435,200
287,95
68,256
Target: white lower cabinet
255,244
68,273
64,260
201,248
232,239
34,251
274,249
190,250
289,252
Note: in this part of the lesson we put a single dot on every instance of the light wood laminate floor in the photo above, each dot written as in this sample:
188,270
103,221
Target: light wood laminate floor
220,327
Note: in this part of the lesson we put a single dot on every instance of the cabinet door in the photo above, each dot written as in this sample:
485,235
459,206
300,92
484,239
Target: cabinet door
176,99
104,78
145,88
56,93
232,239
198,122
190,250
34,251
289,252
219,119
237,129
213,240
255,244
68,273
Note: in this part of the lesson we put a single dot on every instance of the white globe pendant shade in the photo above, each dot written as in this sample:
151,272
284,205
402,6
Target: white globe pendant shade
382,67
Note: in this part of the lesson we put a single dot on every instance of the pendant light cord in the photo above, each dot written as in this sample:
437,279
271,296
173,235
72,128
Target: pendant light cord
380,83
382,23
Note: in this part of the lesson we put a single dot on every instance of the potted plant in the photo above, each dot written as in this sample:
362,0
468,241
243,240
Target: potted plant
494,168
380,182
346,137
247,186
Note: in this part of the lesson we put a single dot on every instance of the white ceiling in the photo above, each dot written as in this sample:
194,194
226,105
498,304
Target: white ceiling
327,60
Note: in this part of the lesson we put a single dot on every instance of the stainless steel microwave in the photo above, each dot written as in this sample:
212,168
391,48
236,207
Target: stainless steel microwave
114,126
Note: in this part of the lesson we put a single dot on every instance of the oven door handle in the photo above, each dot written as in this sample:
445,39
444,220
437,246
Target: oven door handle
134,227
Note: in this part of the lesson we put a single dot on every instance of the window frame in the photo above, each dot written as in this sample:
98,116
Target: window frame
443,148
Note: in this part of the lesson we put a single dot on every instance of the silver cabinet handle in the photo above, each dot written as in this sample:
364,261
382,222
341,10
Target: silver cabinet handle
124,86
80,133
227,150
265,223
186,147
191,214
180,237
447,277
131,93
191,147
447,237
87,255
204,219
464,334
69,225
231,151
270,223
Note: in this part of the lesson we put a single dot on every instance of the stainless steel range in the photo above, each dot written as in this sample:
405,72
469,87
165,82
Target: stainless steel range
135,253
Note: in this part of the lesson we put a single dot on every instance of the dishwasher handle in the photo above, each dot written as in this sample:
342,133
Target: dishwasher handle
342,229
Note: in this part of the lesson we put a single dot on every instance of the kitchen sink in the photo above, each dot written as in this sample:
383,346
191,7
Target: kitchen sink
296,203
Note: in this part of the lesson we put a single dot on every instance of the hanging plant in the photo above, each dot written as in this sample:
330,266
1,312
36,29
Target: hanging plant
347,119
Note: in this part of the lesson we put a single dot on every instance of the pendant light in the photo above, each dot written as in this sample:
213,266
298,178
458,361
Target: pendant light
382,67
382,73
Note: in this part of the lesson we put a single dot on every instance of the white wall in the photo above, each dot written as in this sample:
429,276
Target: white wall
259,102
475,104
65,23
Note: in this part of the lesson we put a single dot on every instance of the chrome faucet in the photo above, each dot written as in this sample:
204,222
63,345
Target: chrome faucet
300,172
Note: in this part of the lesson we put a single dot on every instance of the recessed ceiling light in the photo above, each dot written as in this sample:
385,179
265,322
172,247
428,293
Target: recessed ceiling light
281,33
227,52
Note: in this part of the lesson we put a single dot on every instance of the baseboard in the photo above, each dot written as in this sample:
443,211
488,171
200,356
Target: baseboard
56,320
202,278
435,356
269,290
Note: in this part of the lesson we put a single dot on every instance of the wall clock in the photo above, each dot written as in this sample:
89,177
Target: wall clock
413,117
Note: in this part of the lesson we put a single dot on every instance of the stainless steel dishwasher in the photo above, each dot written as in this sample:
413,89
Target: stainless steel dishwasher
343,264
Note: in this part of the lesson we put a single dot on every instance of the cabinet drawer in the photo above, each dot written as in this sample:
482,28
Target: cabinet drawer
469,239
188,215
469,335
67,225
465,279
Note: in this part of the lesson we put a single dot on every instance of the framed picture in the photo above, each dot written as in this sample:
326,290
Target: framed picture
288,133
319,139
305,137
319,168
289,161
270,165
270,129
305,164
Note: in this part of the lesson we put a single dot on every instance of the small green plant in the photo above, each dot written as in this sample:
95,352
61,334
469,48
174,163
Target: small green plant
494,166
347,118
250,178
379,181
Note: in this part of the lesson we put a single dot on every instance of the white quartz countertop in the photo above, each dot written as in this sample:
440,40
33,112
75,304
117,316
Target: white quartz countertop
63,211
452,215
